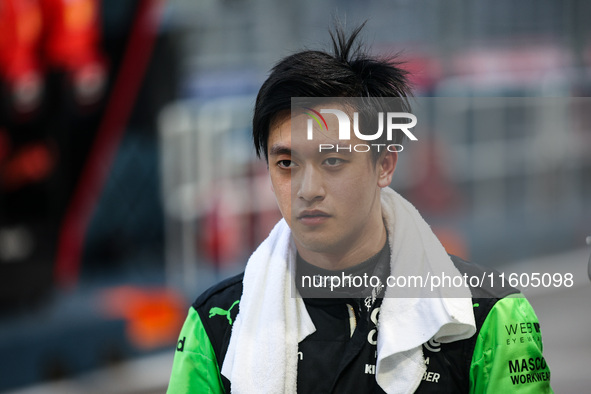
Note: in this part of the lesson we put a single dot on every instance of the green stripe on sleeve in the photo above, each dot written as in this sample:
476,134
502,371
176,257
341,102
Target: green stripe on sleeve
508,352
195,368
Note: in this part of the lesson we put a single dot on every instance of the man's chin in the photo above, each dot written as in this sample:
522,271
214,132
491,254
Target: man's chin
317,244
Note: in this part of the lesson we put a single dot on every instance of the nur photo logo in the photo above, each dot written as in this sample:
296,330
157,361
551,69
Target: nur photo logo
387,122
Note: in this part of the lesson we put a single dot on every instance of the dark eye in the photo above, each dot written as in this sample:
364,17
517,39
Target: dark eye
333,161
285,163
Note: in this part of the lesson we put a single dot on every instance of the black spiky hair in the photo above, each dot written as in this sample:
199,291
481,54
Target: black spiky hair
349,71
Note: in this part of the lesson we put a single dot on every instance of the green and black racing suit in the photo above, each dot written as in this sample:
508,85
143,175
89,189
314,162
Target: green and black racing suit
504,356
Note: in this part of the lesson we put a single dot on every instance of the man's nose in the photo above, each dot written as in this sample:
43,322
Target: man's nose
310,185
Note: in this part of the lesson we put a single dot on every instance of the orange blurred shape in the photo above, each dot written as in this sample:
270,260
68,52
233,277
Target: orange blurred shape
153,316
32,163
452,240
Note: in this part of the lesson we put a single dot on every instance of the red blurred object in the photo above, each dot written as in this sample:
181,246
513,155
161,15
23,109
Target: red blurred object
222,241
31,163
71,40
20,35
424,71
433,193
72,32
5,145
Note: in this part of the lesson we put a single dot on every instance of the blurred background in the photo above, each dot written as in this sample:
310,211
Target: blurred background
128,184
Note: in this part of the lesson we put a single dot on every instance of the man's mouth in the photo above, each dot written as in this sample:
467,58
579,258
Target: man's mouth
313,217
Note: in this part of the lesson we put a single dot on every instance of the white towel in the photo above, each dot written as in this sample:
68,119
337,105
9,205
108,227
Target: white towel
262,354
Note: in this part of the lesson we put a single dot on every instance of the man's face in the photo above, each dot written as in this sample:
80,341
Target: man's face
330,199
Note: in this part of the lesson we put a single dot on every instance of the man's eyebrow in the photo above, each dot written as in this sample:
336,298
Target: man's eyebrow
279,149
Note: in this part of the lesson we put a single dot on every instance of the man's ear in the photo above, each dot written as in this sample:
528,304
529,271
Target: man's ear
386,166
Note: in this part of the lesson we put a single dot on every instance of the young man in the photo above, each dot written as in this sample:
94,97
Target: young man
295,321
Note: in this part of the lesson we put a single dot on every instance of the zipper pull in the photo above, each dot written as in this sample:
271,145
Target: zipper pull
352,320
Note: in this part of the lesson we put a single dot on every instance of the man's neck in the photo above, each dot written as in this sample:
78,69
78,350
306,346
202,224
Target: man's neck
315,282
